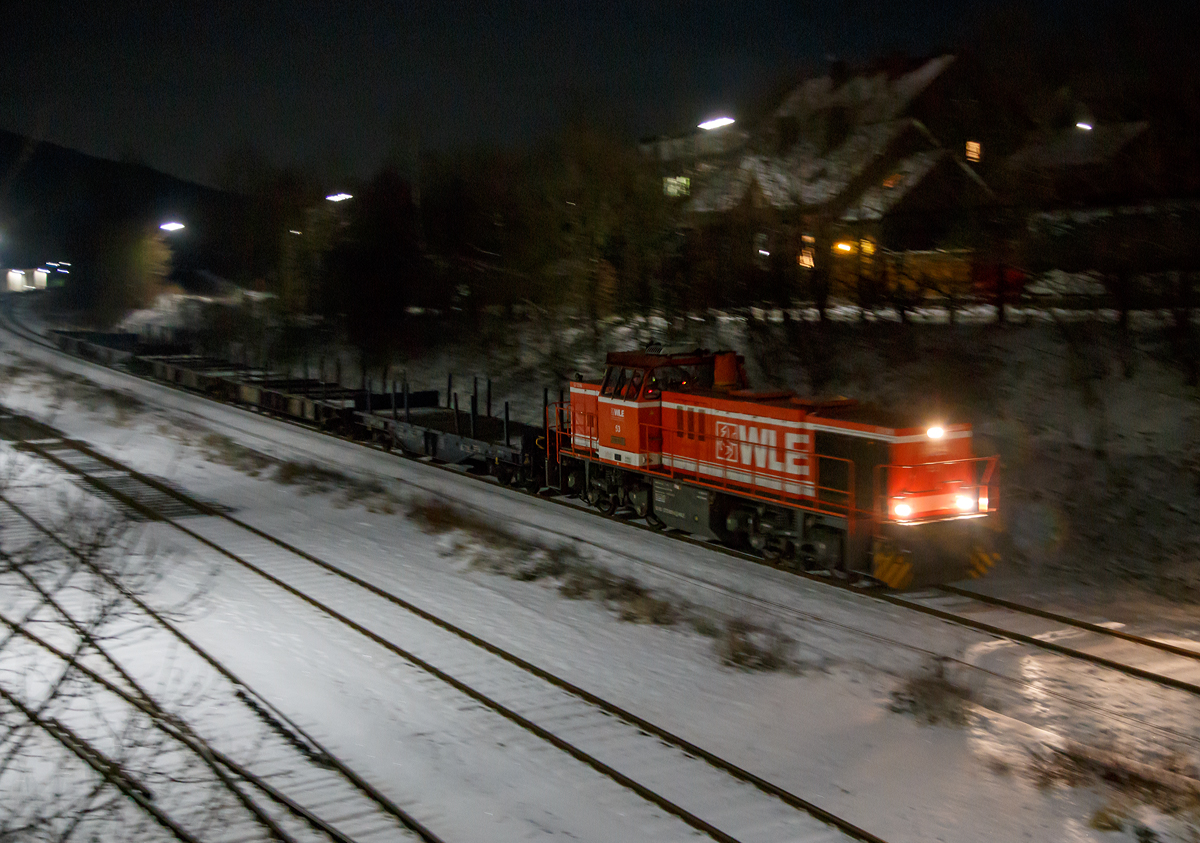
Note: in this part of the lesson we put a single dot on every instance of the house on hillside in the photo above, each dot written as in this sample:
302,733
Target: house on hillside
1088,165
841,171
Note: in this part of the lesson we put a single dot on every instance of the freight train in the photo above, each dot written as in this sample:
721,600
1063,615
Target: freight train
676,437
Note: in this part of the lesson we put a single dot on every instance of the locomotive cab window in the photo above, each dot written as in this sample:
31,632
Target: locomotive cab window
623,384
634,385
614,382
667,378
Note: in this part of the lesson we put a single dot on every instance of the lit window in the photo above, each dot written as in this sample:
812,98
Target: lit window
805,259
677,185
974,150
892,180
867,247
808,238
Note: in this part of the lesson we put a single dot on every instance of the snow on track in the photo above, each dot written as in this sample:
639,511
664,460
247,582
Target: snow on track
707,798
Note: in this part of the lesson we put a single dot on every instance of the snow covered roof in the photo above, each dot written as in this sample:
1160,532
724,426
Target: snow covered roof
880,198
727,187
696,144
1077,148
808,175
825,178
803,177
871,99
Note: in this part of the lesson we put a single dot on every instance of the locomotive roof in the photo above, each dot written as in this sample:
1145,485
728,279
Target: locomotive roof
870,414
819,407
647,359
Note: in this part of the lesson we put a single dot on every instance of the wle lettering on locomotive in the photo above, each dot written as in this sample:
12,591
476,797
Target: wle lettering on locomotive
827,485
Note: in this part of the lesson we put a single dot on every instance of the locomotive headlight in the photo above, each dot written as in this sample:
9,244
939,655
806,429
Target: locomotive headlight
936,432
965,502
902,510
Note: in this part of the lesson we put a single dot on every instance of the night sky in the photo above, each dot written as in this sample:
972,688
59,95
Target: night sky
337,85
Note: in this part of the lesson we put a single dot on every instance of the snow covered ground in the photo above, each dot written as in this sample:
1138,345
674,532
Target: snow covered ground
824,727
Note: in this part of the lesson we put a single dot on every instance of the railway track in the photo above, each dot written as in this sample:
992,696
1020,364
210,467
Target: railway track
706,792
1167,664
249,765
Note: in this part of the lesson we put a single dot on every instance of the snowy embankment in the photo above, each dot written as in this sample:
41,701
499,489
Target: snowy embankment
1098,433
825,727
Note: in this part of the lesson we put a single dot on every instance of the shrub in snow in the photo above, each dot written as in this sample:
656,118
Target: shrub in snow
754,648
933,698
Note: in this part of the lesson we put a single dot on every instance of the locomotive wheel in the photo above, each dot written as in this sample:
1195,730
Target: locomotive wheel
775,549
504,474
607,504
639,501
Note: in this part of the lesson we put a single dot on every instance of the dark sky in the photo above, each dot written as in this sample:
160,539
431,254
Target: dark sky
336,85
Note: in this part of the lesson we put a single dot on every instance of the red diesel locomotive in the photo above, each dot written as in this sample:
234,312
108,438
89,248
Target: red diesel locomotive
677,436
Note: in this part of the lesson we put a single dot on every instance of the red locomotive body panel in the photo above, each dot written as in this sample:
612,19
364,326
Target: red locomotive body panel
761,444
933,476
583,415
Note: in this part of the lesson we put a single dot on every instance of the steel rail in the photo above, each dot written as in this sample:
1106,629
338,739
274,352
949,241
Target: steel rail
1052,646
887,597
787,797
1066,620
262,706
211,756
109,770
876,594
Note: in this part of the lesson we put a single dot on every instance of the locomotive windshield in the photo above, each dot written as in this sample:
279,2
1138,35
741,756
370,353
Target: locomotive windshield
623,383
629,383
668,378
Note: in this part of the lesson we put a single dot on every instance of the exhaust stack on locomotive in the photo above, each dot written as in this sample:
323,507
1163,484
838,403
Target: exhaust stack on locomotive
677,436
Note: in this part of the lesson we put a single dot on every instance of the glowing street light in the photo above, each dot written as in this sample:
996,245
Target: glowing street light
716,123
339,197
1084,125
172,226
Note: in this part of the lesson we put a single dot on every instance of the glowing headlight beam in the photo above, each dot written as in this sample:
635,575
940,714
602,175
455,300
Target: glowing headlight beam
903,510
936,432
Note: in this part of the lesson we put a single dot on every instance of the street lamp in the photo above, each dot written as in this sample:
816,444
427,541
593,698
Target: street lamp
716,123
339,197
172,226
